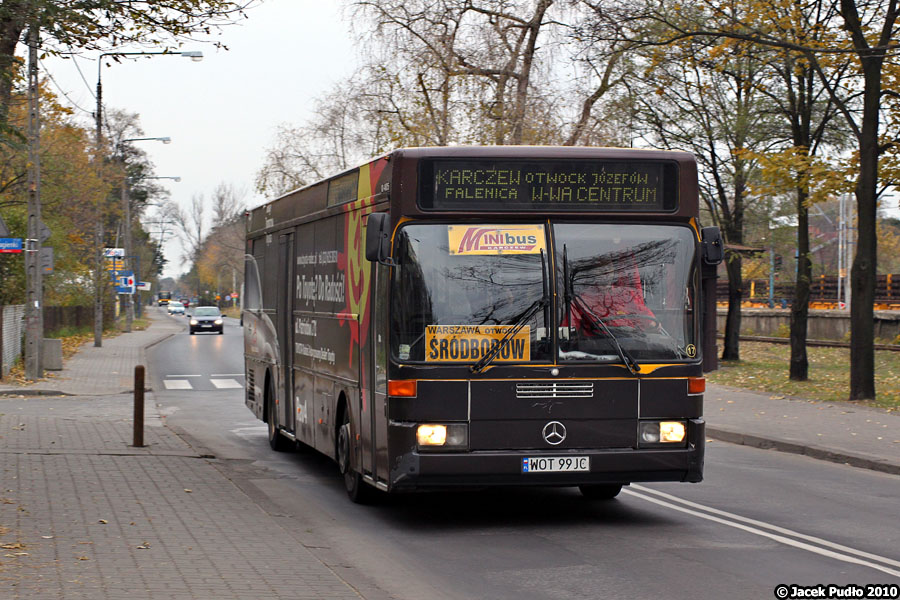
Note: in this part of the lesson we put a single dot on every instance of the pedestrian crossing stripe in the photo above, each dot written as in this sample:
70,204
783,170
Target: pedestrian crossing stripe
178,384
225,383
184,384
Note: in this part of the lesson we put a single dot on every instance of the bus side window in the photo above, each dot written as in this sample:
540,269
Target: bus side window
251,284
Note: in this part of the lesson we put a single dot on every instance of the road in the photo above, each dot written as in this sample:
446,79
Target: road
760,518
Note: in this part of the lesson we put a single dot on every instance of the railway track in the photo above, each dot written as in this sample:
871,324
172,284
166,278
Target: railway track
824,343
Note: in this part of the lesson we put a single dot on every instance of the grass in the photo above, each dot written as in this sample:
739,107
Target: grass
764,368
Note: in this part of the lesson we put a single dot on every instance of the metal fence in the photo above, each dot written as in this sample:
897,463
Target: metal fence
12,331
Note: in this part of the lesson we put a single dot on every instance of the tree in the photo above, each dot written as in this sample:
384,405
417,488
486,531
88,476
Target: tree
70,188
491,44
345,131
446,72
868,32
705,98
810,115
216,246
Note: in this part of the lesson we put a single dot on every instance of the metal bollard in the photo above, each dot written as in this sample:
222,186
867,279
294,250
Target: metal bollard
139,406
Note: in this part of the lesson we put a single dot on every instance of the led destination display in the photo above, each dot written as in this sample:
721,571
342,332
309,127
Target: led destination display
548,185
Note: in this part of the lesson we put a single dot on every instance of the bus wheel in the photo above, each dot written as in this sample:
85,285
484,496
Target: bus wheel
277,442
359,491
601,491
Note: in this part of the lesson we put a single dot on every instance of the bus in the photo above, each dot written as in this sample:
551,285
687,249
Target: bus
164,298
467,317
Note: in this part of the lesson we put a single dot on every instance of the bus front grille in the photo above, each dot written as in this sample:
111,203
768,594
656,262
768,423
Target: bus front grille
555,390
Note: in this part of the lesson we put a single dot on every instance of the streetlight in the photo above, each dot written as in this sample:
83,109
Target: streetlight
126,209
194,55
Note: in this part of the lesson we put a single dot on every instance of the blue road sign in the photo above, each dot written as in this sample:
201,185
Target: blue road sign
10,245
125,282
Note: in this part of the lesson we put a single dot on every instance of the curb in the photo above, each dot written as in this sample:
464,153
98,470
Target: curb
755,441
25,392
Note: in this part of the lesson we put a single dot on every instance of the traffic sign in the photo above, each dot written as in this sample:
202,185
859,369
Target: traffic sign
47,259
144,286
125,282
114,252
10,245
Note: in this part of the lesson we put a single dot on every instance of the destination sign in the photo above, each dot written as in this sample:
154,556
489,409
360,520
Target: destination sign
547,185
469,343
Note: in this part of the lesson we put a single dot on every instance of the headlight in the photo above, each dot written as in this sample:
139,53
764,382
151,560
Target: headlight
193,321
218,321
656,433
671,431
439,436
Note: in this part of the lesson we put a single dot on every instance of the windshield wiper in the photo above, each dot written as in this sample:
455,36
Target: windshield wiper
569,297
598,323
517,324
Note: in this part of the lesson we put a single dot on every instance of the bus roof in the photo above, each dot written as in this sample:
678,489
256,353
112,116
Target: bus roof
398,169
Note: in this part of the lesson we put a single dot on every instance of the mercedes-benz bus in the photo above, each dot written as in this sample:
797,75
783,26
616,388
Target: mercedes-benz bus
461,317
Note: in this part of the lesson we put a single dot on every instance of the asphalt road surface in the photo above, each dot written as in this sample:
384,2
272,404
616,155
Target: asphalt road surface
759,520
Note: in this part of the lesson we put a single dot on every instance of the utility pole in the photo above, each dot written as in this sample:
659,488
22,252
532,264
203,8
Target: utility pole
98,231
34,307
126,210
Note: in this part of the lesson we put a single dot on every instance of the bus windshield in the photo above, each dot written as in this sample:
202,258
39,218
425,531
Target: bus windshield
623,290
459,289
625,285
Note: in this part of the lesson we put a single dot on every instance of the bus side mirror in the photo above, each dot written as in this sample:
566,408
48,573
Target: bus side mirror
378,228
713,248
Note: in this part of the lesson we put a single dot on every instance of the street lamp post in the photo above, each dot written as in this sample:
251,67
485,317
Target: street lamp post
98,117
126,210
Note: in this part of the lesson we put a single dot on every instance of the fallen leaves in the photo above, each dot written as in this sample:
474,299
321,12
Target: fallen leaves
13,546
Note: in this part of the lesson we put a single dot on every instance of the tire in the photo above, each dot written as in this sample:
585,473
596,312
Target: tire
358,490
221,331
192,332
606,491
277,442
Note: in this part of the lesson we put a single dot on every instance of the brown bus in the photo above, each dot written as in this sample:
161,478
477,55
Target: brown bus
485,316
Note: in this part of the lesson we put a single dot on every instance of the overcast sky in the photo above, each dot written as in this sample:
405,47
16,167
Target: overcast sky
222,112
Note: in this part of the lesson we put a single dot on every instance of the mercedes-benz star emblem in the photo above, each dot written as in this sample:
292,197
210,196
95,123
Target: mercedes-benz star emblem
554,433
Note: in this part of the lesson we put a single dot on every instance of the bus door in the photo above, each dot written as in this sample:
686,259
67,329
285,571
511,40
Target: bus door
284,318
374,425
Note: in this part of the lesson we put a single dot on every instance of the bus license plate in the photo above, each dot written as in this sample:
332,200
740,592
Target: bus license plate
556,464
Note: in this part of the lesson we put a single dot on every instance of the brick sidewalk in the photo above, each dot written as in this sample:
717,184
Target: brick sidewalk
84,515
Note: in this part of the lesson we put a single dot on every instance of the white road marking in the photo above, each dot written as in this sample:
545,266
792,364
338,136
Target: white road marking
760,525
251,432
227,375
178,384
225,383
